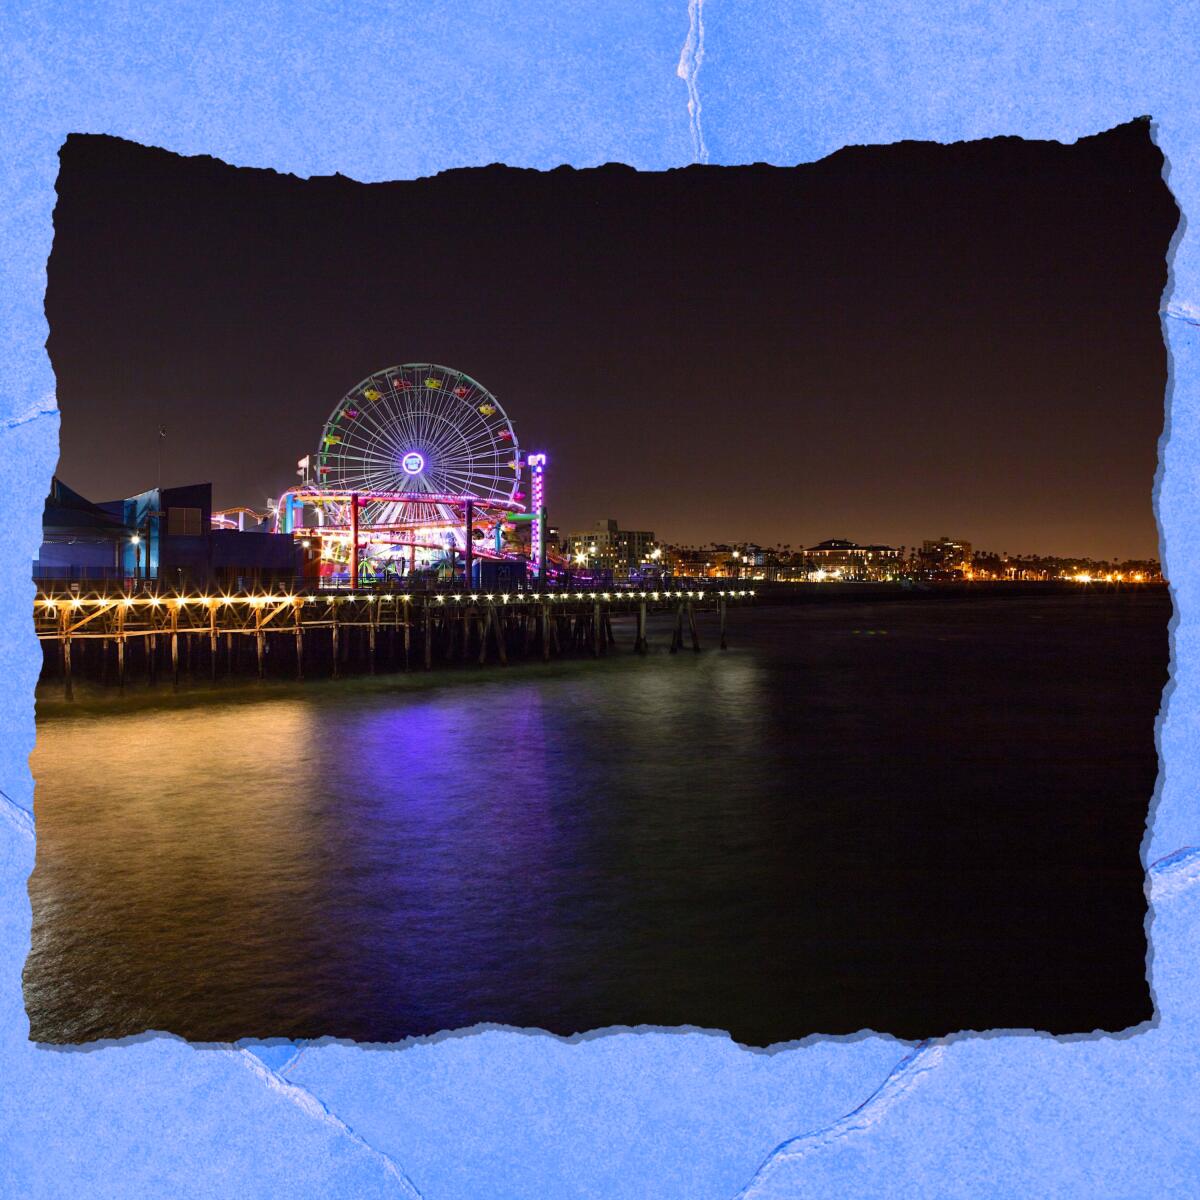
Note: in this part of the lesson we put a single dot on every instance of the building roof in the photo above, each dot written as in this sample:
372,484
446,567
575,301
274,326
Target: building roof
67,513
833,544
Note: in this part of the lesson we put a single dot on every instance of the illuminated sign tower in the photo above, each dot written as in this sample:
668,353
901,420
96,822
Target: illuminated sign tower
537,488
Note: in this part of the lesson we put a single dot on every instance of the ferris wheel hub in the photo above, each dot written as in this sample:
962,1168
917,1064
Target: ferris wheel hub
413,463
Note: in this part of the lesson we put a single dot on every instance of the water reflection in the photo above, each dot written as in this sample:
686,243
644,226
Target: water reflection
750,841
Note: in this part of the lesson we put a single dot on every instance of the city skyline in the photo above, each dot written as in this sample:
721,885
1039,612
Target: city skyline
892,341
911,546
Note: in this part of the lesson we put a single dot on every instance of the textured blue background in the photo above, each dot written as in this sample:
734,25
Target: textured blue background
392,90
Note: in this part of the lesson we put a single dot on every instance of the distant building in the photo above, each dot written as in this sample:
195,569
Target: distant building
839,558
608,548
745,561
163,536
945,554
687,562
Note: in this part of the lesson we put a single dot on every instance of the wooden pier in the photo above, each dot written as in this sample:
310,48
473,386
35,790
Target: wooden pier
117,639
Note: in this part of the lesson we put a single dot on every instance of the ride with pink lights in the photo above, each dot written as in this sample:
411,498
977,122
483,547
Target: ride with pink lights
417,478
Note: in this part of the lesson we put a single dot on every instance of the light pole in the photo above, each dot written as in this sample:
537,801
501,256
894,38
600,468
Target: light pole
136,541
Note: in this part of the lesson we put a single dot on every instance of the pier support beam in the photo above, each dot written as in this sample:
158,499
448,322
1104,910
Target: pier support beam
68,689
298,609
498,630
260,639
121,647
333,630
212,641
485,623
639,643
371,636
691,616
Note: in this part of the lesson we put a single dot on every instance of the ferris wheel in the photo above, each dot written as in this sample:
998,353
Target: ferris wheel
422,429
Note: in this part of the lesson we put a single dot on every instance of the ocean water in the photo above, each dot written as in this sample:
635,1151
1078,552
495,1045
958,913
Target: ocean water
917,816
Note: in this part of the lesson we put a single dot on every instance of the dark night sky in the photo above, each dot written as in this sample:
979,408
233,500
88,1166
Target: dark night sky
892,344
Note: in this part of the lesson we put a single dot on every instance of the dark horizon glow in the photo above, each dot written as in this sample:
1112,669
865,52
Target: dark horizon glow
892,344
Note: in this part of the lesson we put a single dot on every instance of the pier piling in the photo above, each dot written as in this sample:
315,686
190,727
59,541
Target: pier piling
299,620
333,635
371,637
68,690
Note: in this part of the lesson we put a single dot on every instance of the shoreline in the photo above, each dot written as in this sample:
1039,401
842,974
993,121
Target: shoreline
966,589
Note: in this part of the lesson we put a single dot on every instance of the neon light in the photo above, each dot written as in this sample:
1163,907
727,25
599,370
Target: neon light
537,473
413,463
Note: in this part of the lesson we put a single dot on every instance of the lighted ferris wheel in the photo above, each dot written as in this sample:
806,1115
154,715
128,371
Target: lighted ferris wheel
419,432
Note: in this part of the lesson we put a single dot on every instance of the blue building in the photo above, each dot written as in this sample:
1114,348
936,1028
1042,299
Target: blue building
163,536
80,540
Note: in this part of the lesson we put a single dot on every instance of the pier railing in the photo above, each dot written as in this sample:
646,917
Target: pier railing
107,635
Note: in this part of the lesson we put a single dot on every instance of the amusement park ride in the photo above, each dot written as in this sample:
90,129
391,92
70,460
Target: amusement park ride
418,470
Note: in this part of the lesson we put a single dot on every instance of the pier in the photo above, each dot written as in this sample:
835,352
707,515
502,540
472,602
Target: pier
118,638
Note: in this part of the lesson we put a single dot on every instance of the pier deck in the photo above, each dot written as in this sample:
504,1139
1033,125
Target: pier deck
115,637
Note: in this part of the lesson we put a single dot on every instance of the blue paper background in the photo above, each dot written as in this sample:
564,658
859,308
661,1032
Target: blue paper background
393,90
